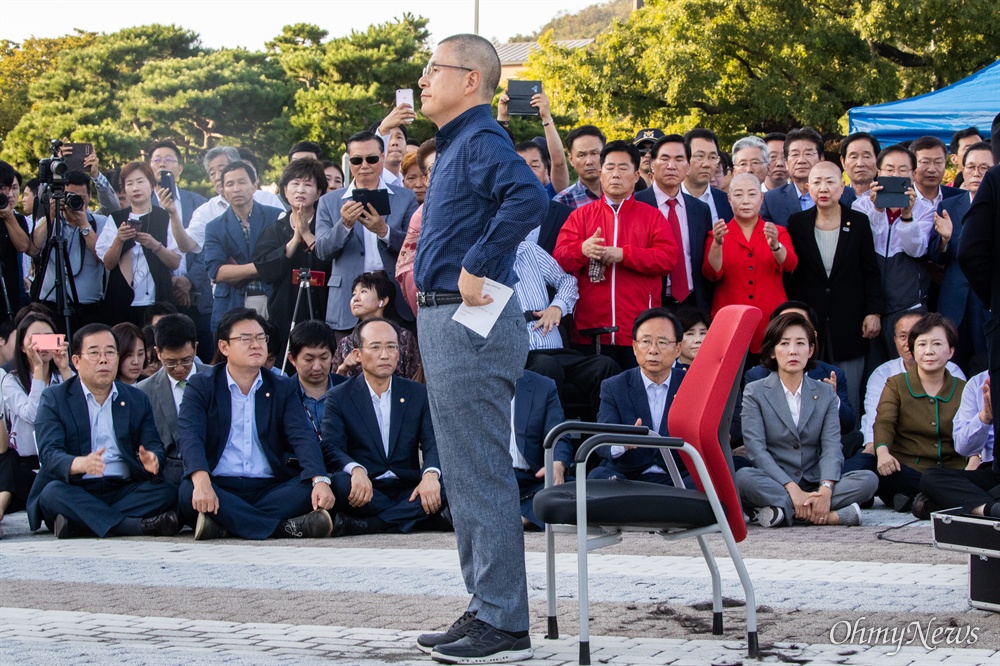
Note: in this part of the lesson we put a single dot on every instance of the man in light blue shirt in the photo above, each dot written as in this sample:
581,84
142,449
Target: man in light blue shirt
238,429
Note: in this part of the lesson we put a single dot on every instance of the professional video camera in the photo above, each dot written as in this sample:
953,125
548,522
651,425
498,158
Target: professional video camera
52,170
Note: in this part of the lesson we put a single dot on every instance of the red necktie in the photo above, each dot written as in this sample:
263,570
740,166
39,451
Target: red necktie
679,287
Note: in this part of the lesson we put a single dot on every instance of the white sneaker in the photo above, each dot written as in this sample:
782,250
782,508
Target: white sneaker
769,516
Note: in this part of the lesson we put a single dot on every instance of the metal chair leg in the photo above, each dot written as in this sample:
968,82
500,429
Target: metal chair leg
550,581
581,562
713,568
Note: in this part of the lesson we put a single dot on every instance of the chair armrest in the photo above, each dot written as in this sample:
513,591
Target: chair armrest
588,428
594,332
647,441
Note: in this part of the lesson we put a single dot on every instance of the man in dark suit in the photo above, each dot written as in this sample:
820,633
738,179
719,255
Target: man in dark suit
642,396
99,452
536,410
237,427
803,150
375,428
689,219
703,156
357,238
932,159
978,257
955,300
177,348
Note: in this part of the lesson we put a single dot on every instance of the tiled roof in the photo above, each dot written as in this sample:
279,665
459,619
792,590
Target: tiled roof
516,53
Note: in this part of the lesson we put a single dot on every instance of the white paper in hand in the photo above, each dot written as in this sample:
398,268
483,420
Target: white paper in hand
482,318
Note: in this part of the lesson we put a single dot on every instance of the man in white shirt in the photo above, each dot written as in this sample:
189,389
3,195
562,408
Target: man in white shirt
390,482
176,347
703,156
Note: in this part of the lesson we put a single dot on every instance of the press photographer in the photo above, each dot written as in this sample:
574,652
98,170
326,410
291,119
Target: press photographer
80,229
13,240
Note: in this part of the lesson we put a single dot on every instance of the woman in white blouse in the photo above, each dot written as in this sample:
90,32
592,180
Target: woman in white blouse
21,391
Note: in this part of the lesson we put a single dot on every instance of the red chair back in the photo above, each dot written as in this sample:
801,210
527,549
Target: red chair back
701,401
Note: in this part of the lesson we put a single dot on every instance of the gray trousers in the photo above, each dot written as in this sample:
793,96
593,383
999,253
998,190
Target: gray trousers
470,385
758,490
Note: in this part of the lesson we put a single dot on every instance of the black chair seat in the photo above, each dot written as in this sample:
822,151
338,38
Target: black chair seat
622,502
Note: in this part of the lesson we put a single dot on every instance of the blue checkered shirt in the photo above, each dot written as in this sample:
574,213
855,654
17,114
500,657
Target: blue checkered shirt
576,195
482,201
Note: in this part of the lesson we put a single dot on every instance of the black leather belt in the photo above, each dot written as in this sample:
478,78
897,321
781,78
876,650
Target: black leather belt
426,299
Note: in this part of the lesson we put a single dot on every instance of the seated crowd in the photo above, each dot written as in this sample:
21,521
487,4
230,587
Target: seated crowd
248,365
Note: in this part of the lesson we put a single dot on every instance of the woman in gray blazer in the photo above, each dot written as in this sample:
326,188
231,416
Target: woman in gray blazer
791,433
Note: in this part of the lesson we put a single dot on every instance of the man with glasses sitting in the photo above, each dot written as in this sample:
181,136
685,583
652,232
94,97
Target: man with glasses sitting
357,237
238,429
99,452
642,396
176,346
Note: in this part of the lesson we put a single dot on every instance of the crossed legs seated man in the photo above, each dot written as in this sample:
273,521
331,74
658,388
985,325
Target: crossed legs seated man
375,428
235,426
99,451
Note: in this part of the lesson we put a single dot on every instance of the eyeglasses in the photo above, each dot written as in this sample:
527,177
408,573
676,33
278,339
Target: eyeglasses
371,159
377,348
645,150
95,354
713,157
976,168
163,160
180,363
246,338
432,68
646,344
806,154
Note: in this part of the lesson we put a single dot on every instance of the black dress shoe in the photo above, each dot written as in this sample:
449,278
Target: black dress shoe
313,525
443,520
924,506
344,525
484,644
206,528
427,642
165,524
63,528
902,502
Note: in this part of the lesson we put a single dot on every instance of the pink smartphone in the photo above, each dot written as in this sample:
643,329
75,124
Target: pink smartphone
48,341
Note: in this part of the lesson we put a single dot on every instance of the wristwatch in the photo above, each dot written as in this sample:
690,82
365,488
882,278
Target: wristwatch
85,231
827,484
321,479
777,249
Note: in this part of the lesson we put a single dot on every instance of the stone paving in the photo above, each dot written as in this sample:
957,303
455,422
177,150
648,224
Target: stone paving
363,600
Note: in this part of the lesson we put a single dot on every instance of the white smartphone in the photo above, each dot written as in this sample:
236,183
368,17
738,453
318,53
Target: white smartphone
404,96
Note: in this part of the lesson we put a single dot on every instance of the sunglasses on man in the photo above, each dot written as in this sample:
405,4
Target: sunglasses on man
371,159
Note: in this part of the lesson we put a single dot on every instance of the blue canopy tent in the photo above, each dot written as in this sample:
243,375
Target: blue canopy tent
973,101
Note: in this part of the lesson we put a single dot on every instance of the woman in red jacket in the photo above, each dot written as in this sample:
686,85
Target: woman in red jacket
748,255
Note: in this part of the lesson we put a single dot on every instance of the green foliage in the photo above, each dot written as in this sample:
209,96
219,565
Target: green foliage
349,83
121,91
763,65
587,23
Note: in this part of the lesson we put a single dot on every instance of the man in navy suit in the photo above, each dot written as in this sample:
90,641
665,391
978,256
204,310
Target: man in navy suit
689,219
536,410
703,156
237,427
932,159
99,452
230,240
375,428
358,238
642,396
803,150
956,301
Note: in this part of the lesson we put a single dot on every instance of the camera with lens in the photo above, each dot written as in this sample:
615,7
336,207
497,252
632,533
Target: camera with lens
52,170
74,201
4,201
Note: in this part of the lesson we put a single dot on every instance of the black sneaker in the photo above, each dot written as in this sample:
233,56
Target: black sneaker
427,642
206,528
483,644
64,528
313,525
902,502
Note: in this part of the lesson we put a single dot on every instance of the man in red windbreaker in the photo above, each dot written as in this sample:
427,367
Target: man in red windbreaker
618,249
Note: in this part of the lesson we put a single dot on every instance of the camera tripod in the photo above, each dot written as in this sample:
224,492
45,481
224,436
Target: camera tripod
58,243
305,283
6,297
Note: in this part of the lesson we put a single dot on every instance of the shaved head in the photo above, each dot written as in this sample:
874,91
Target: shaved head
825,167
478,54
740,177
